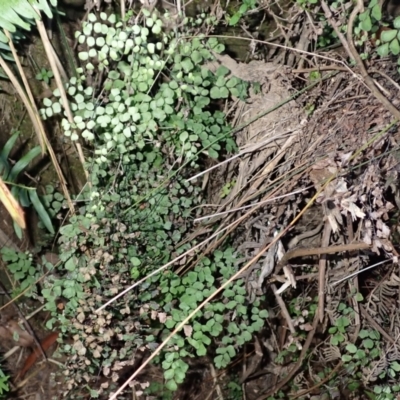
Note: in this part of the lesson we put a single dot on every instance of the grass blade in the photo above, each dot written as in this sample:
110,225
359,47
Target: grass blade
22,196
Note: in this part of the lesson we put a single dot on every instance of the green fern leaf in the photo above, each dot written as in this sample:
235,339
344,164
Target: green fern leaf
12,10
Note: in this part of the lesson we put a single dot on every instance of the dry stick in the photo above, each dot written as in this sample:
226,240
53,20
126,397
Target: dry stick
303,252
60,86
326,235
236,223
37,123
216,384
334,25
284,309
21,93
243,201
262,202
242,151
123,12
357,320
364,270
39,133
318,251
320,68
386,76
273,163
249,196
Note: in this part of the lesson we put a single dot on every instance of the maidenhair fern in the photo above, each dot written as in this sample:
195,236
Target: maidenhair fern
154,114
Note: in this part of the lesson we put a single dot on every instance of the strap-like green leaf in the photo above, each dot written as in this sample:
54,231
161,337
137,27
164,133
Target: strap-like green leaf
22,197
5,153
42,213
4,168
23,163
15,192
9,145
18,230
